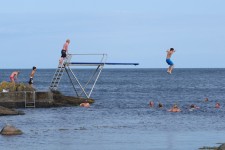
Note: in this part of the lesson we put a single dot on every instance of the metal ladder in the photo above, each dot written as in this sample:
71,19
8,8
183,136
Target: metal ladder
59,73
31,102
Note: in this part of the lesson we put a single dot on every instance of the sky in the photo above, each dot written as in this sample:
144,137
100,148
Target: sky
32,32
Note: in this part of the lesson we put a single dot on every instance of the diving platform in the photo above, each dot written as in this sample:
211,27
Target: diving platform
67,66
97,64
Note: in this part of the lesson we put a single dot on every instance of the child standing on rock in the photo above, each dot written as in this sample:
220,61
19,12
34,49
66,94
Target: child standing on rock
32,75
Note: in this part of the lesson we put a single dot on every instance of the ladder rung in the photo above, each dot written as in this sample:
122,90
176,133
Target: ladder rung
60,70
30,106
56,78
53,86
30,102
55,82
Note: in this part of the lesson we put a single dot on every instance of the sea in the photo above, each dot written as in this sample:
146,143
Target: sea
120,118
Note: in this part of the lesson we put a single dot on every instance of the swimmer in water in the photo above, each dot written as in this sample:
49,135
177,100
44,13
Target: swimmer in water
217,105
85,104
151,104
160,105
192,107
175,108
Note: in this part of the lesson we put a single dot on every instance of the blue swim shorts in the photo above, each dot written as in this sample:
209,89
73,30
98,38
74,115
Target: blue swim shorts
169,62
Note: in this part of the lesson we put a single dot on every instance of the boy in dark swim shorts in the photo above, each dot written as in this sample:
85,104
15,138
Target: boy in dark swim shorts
64,51
32,75
168,60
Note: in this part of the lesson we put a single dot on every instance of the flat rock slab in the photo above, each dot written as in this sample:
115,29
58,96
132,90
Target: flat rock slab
6,111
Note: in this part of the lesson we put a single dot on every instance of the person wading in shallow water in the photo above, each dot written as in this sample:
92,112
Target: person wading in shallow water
168,60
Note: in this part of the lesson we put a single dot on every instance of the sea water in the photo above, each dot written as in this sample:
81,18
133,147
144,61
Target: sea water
121,118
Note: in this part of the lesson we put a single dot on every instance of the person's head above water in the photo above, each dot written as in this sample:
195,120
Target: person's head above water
160,105
192,106
175,106
151,103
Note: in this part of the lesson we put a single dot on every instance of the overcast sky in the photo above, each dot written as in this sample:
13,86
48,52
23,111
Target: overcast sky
32,32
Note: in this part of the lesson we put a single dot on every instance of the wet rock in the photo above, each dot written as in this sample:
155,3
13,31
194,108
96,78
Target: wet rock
62,100
10,130
6,111
42,99
221,147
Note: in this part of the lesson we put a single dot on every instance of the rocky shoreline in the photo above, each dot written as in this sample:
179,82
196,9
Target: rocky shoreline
20,96
59,100
221,147
14,96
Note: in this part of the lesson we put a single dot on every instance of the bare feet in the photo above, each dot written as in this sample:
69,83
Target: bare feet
169,72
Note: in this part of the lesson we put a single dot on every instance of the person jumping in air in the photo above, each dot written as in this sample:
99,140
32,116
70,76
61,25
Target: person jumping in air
32,75
64,51
169,62
14,76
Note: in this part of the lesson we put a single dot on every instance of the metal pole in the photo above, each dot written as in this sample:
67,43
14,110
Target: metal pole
71,82
78,82
91,78
96,80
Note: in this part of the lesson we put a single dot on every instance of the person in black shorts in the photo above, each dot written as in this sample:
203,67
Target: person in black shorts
64,51
32,75
65,48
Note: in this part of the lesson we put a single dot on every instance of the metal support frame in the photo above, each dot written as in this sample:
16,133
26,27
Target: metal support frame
94,77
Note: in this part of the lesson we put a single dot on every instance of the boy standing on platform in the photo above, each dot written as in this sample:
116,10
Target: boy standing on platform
64,51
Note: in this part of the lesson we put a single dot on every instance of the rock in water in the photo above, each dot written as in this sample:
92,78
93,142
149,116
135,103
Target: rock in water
6,111
10,130
222,147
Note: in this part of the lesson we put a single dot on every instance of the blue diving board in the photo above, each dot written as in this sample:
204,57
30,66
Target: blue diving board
99,63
